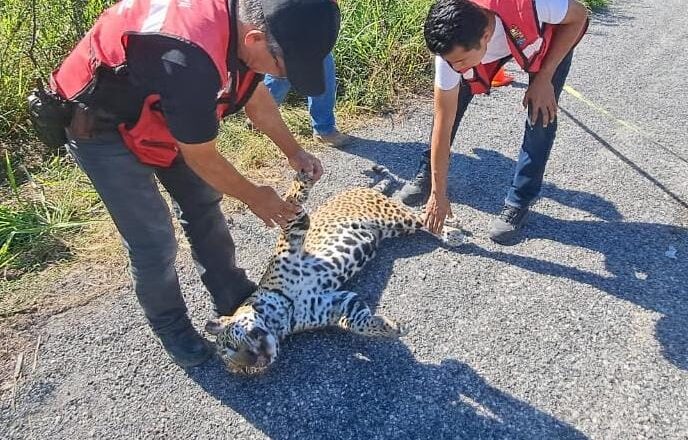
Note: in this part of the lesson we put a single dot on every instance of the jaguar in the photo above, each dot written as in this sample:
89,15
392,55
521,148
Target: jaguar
302,288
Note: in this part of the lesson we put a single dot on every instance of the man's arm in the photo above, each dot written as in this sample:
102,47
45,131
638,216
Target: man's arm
445,106
169,65
566,35
263,112
213,168
540,95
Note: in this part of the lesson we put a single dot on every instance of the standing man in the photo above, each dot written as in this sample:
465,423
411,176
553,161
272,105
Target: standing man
149,83
472,39
320,107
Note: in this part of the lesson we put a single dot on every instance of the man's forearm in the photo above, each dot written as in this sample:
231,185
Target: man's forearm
445,103
263,112
214,169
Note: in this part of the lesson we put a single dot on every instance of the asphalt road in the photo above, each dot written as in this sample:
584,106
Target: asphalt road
578,331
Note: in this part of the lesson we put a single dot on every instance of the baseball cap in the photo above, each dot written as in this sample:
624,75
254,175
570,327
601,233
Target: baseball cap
306,31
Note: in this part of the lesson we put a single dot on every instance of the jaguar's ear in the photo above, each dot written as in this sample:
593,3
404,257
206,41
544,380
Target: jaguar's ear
217,326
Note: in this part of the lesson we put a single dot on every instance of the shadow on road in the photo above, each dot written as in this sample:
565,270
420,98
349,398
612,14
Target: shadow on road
327,392
634,252
335,385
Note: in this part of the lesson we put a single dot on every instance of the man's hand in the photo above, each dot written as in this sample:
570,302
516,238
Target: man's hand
269,207
436,210
212,167
263,112
306,162
540,100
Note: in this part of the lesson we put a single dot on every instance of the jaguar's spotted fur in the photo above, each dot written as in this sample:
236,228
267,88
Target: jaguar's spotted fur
314,257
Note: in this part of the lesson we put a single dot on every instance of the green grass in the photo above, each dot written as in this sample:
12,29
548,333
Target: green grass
381,51
596,4
34,36
261,152
36,217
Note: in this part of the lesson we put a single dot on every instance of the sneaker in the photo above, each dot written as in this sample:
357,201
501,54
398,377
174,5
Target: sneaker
505,227
336,139
186,347
416,191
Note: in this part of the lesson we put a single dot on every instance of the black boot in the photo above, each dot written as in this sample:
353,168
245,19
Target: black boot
417,190
186,347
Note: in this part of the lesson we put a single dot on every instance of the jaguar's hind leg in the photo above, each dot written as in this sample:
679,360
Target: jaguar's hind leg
453,235
387,182
353,314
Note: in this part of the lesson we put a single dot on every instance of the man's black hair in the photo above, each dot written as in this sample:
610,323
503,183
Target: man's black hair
452,23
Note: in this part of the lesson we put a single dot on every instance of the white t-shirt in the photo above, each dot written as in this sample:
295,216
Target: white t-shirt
548,11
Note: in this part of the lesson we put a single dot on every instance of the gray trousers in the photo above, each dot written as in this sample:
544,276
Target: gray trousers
129,190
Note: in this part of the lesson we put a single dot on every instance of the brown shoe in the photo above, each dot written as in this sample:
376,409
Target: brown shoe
336,139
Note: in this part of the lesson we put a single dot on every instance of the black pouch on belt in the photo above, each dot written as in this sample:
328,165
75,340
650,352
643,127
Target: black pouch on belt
49,114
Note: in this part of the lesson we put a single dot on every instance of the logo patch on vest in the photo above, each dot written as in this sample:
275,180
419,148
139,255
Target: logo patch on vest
517,35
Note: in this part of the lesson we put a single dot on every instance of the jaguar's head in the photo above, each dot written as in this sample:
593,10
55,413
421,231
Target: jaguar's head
243,341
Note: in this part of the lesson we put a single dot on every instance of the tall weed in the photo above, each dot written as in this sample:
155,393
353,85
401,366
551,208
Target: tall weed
381,51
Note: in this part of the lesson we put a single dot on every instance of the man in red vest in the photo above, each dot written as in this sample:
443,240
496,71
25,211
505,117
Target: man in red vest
149,84
472,39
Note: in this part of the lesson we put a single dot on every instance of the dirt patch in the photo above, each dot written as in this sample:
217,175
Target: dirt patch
19,332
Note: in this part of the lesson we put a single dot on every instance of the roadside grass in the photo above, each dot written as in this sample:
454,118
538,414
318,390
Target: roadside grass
596,5
36,215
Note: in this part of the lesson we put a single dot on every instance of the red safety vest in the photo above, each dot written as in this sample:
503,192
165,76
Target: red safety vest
204,23
528,41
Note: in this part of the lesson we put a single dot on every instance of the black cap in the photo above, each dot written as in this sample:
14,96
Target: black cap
306,31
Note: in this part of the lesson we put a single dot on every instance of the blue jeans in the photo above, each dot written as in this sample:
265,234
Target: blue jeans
535,148
130,193
321,108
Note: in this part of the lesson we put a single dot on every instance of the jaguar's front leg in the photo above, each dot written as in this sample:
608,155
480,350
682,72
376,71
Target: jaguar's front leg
349,312
300,188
